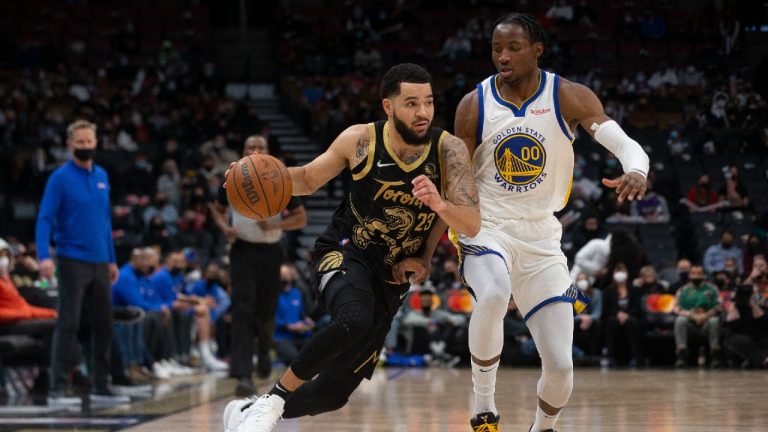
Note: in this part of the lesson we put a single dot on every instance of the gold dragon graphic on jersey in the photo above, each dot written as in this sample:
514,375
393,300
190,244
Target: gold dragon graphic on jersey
393,232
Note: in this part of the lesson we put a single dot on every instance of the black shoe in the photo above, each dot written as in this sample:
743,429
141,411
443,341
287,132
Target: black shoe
245,388
682,359
264,365
485,422
128,314
125,381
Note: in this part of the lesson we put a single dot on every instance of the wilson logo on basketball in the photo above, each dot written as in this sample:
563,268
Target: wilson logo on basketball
540,111
250,190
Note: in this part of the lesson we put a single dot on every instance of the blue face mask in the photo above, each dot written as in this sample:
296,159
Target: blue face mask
577,174
611,163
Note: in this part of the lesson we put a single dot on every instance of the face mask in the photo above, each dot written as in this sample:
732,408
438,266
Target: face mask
620,276
83,155
582,284
150,270
5,263
683,276
426,309
696,281
211,281
176,271
727,245
720,283
611,163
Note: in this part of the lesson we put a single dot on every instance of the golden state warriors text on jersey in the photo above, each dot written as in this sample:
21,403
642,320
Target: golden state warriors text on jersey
523,162
520,159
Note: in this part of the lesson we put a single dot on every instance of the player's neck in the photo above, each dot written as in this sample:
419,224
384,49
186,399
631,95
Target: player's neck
402,149
521,89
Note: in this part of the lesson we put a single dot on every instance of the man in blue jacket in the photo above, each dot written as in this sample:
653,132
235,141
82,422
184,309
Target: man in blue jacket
215,302
75,212
168,283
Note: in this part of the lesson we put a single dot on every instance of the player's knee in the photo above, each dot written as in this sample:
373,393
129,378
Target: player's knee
560,371
493,301
354,319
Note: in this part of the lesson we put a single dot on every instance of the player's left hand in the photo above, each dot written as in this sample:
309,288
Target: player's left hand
226,173
426,192
631,185
418,266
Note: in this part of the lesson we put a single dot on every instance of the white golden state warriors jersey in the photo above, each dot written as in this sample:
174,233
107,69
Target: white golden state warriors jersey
523,163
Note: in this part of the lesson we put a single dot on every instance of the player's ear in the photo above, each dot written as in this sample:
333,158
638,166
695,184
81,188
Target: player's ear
538,49
387,105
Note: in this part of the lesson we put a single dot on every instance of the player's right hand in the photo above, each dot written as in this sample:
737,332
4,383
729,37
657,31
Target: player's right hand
226,173
418,266
46,268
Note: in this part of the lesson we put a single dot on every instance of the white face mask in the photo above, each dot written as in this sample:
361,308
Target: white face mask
582,284
620,276
5,263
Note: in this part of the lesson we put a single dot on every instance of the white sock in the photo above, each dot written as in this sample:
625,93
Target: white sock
484,380
544,421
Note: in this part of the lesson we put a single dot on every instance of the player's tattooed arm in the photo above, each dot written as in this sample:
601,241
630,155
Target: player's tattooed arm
361,150
459,183
343,152
460,206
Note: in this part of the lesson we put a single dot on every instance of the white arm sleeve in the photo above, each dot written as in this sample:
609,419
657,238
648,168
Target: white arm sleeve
632,157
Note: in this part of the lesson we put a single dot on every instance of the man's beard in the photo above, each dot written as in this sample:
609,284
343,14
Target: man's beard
408,135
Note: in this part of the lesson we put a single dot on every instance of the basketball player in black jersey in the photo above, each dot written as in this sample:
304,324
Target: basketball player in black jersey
409,181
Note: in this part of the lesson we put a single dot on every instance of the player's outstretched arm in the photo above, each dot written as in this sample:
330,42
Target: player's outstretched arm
460,208
580,105
348,149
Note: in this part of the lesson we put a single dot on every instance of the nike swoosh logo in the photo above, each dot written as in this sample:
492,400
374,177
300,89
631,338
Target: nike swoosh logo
491,118
382,165
402,296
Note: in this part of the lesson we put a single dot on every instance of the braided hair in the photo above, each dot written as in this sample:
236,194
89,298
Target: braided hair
527,22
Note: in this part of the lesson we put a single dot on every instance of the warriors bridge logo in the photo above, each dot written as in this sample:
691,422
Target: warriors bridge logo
520,159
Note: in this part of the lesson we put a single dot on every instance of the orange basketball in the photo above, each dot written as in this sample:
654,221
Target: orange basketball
259,186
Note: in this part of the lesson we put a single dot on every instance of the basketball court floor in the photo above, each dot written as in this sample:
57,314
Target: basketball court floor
438,400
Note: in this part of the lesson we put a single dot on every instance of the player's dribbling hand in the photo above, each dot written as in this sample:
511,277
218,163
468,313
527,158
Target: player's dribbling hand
226,173
418,266
629,186
426,192
47,268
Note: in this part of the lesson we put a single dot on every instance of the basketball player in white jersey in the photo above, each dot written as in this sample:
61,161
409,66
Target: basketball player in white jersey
518,125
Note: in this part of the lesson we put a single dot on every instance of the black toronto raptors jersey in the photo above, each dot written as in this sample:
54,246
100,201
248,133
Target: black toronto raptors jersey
380,217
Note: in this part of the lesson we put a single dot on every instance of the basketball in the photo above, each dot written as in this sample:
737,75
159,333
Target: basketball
259,186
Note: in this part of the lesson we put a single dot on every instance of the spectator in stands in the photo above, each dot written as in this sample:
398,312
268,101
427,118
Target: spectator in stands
716,255
215,302
584,14
169,182
584,188
168,284
681,276
652,25
432,327
702,197
561,12
647,282
367,58
729,30
588,324
622,316
759,270
734,190
358,26
652,207
17,317
516,337
457,46
755,247
293,325
147,340
747,325
592,258
698,308
162,207
588,230
222,155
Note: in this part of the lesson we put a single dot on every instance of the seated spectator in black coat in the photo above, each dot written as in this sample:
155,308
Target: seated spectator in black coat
746,323
622,315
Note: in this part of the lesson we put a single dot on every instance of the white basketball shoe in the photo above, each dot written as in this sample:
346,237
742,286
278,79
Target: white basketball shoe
253,414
